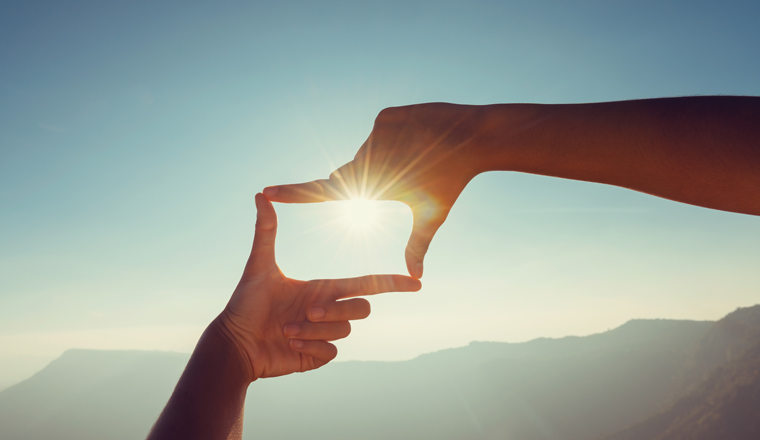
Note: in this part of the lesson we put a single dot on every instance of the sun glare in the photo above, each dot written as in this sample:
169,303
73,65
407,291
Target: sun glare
360,215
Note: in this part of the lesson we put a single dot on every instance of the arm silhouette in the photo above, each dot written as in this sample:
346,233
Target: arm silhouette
704,151
272,326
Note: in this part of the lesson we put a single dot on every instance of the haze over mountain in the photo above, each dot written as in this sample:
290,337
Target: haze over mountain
626,384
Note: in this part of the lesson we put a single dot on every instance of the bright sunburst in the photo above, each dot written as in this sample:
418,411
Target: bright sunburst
360,215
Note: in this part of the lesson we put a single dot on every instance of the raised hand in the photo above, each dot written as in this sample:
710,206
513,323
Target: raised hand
702,150
420,155
272,326
282,325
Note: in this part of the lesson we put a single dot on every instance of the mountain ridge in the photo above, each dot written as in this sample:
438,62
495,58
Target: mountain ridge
725,404
570,388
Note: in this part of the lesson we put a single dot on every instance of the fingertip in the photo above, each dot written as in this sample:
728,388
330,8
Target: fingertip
271,191
366,308
296,344
410,284
414,267
414,254
331,352
416,284
261,201
418,271
403,283
266,216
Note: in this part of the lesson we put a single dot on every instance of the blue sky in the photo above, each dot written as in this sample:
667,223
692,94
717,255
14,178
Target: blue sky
133,138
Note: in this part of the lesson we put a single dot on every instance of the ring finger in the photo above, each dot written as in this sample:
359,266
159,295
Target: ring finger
322,331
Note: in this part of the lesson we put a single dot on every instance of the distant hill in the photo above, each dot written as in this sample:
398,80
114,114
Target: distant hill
726,405
574,388
91,394
14,369
569,388
726,341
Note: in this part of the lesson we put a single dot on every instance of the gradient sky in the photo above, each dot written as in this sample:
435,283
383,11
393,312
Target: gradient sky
133,138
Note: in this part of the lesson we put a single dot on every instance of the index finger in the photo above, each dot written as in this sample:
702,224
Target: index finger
310,192
369,285
322,190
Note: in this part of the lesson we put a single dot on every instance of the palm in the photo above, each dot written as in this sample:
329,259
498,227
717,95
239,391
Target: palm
285,301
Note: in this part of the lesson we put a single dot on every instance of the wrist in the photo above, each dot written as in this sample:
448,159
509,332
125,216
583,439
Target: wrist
508,134
208,400
224,331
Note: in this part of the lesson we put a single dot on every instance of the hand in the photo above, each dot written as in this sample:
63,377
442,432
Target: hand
281,325
420,155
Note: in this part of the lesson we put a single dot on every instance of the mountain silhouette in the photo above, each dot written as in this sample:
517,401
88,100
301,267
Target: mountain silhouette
91,394
644,377
569,388
726,405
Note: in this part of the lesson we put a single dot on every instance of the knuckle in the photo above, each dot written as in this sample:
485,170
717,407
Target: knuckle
316,188
391,115
317,287
265,224
385,114
417,248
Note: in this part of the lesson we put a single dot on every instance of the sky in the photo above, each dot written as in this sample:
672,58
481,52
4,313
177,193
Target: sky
133,138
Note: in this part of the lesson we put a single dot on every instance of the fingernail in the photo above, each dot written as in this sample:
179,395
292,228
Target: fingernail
271,191
418,270
296,343
316,312
291,329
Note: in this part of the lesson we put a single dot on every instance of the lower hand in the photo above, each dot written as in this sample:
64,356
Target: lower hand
281,325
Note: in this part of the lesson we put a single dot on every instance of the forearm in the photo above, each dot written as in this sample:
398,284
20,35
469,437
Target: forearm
699,150
207,402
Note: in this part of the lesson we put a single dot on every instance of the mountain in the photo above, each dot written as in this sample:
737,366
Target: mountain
14,369
573,388
569,388
726,405
91,394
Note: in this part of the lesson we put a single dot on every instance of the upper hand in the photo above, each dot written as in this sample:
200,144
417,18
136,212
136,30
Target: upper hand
421,155
281,325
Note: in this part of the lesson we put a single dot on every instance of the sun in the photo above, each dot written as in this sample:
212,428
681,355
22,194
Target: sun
360,215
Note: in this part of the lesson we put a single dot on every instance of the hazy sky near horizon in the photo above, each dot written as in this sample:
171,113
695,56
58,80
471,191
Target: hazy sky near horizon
134,136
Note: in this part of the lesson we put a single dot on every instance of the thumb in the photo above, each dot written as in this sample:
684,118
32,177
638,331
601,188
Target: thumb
425,227
262,254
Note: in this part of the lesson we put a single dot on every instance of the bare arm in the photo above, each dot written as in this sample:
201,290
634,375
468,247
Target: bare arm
699,150
272,326
703,151
208,400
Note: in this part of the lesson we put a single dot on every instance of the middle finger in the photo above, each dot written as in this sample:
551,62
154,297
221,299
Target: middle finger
348,310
